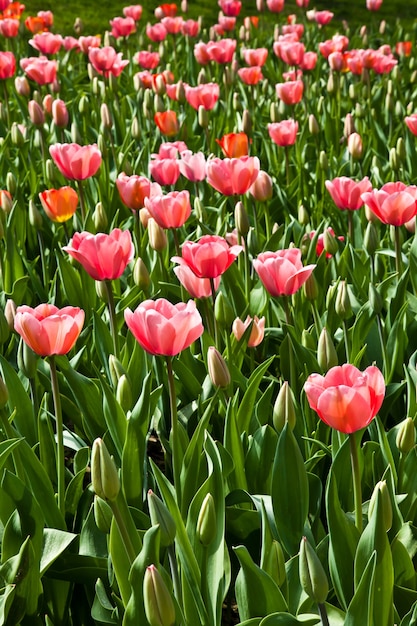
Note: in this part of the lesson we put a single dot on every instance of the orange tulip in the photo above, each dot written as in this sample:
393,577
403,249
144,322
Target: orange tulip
234,145
59,204
35,24
167,122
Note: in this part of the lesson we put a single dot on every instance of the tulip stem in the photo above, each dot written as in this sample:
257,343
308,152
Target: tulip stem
323,614
174,571
174,429
345,334
351,229
60,456
213,296
125,532
138,233
356,476
398,260
112,314
82,201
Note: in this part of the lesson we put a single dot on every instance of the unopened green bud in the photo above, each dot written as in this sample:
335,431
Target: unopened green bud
284,408
342,305
241,219
326,352
217,368
83,105
303,216
104,475
75,133
310,287
236,102
400,148
27,360
10,313
371,239
124,393
100,218
274,112
102,515
399,109
330,242
101,290
50,170
323,161
35,218
375,299
389,102
17,136
202,77
158,104
313,125
135,129
116,370
180,92
105,116
360,111
11,183
393,160
203,117
158,603
207,521
320,105
381,493
312,575
275,563
413,77
247,122
352,91
141,276
223,311
406,436
157,236
331,87
4,394
160,515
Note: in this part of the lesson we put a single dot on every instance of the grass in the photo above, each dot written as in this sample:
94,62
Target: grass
96,14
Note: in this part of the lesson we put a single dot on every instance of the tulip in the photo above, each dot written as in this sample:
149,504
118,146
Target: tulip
312,575
205,95
9,27
250,75
346,398
394,203
282,272
283,133
59,204
7,65
171,210
196,287
373,5
40,69
133,190
355,145
256,56
209,257
47,43
290,92
291,52
48,330
275,6
147,60
190,28
217,368
74,161
107,61
60,113
257,330
156,32
167,122
157,600
122,26
165,171
104,476
261,189
323,17
347,193
234,145
134,11
193,166
232,176
172,24
104,257
230,7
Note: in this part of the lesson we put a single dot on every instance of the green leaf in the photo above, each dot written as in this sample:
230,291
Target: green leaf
24,420
286,619
233,445
260,459
360,611
247,404
115,418
55,542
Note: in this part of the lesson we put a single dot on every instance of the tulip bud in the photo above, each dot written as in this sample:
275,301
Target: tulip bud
157,600
303,216
10,313
217,368
180,92
223,311
157,236
236,102
275,563
105,116
22,86
207,521
393,160
355,146
116,370
261,189
203,117
160,515
326,352
60,113
124,393
35,218
330,242
331,87
247,122
413,79
375,299
27,360
100,218
274,112
310,288
389,102
83,105
371,239
382,26
17,136
323,161
381,492
406,436
6,202
313,125
75,133
141,276
102,515
135,130
359,111
104,475
101,291
241,219
284,408
36,113
400,149
312,575
349,125
158,104
201,78
342,305
78,26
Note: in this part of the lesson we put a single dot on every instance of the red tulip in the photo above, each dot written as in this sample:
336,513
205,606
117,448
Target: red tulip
133,190
234,145
323,17
346,398
230,7
7,65
59,204
104,257
48,330
394,203
282,272
373,5
167,122
209,257
221,51
171,210
346,193
232,176
283,133
276,6
76,162
291,52
9,27
162,328
147,60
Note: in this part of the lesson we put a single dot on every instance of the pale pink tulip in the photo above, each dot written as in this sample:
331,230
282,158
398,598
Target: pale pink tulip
282,273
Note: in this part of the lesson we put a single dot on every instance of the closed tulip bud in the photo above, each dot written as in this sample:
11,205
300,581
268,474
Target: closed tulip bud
275,563
241,219
160,515
105,116
75,134
17,136
141,276
104,475
102,515
100,218
331,87
389,102
284,409
223,311
382,26
4,394
330,242
158,104
352,91
102,144
399,109
203,117
36,113
6,202
310,287
217,368
157,236
35,218
22,86
10,312
381,493
342,305
355,146
116,370
375,299
313,578
11,184
359,111
157,600
261,189
393,160
207,521
413,79
274,112
406,436
202,77
303,216
84,105
349,125
135,129
323,161
326,352
400,148
313,125
50,170
236,102
78,26
101,291
247,122
180,92
27,360
60,113
124,393
371,239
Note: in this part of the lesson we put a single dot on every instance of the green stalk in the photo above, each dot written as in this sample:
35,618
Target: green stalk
323,614
174,429
356,475
82,201
398,260
126,527
60,456
112,314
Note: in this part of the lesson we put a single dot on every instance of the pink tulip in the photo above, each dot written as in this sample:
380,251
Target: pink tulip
170,150
162,328
59,113
9,27
134,10
46,43
291,52
303,4
323,17
261,189
48,330
196,287
71,43
373,5
346,193
40,69
309,61
133,190
250,75
282,272
173,25
205,95
156,32
276,6
232,176
104,257
122,26
257,332
255,56
209,257
90,41
147,60
411,121
107,61
171,210
7,64
76,162
394,203
193,166
222,51
201,53
346,398
190,28
230,7
165,171
283,133
290,92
